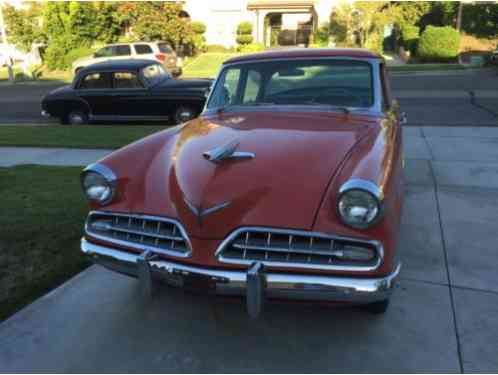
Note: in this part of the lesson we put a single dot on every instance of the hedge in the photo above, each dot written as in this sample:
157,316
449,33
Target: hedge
410,37
438,44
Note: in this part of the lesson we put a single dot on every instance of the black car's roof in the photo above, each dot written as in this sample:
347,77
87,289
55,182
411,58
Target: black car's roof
128,64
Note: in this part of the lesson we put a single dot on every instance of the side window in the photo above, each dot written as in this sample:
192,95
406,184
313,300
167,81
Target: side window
143,49
122,50
95,81
126,80
104,52
225,91
253,86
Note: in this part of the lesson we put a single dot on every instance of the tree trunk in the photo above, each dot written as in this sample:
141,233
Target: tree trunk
459,16
4,41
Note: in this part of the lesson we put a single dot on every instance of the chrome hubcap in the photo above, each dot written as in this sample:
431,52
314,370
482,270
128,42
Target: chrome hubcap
76,118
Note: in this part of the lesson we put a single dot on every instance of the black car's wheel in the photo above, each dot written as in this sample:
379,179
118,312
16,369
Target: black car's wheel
184,113
377,308
75,117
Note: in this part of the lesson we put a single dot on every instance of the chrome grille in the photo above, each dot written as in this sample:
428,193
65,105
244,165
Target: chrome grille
141,232
299,249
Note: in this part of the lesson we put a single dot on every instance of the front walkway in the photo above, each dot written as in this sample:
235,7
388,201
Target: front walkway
443,317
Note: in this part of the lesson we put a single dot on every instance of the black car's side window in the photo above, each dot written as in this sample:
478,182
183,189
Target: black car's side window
126,80
95,81
142,49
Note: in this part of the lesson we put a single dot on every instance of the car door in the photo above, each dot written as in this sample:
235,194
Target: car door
95,89
129,96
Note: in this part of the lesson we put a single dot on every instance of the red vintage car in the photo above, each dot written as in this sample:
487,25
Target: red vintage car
288,186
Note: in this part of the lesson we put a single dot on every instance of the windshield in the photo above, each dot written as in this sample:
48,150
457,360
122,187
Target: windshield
341,83
154,74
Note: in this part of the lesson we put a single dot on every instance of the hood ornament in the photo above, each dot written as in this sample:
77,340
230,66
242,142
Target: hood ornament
201,213
227,151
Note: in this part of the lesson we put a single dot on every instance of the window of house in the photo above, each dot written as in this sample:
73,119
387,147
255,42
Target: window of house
126,80
95,81
143,49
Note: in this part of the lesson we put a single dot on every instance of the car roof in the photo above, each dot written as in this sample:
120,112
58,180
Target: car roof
125,64
285,53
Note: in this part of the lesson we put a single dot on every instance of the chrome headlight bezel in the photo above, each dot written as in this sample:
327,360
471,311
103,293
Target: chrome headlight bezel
365,187
107,176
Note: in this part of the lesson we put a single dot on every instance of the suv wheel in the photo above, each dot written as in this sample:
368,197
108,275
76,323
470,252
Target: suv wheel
184,113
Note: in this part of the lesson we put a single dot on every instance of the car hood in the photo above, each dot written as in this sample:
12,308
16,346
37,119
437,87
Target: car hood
172,84
295,158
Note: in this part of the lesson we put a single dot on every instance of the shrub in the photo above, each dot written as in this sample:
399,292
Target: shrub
198,27
251,48
244,39
76,54
54,56
410,37
244,28
375,43
438,44
244,33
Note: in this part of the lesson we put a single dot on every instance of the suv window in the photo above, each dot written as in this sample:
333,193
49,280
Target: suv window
164,48
104,52
95,81
122,50
143,49
126,80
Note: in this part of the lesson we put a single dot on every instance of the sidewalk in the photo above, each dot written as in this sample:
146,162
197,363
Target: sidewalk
11,156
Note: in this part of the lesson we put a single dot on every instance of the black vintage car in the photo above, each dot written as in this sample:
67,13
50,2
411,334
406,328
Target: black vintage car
126,90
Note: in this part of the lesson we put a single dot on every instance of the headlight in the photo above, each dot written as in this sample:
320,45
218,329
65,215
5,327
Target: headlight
98,183
359,204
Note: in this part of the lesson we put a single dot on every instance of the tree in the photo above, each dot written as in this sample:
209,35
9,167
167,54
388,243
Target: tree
155,20
107,23
410,12
23,26
362,23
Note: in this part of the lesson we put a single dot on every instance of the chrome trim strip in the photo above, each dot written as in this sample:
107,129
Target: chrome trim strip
138,246
278,285
127,118
331,267
107,173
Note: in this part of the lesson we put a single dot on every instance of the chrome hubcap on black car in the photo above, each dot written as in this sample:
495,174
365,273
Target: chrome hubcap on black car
76,118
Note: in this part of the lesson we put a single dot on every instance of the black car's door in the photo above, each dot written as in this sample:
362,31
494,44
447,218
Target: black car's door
130,97
95,89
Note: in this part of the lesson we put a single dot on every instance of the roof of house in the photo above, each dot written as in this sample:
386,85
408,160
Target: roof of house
306,53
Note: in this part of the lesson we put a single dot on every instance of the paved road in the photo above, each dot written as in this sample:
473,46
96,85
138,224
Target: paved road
458,98
443,318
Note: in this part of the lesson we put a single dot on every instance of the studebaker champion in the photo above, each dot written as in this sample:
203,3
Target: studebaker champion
288,186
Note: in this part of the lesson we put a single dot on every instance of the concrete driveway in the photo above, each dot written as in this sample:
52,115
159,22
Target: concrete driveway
443,317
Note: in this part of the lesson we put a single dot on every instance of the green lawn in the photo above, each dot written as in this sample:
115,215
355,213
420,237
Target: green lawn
45,76
87,136
206,65
41,221
425,67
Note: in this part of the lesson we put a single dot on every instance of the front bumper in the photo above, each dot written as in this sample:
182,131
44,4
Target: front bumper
227,282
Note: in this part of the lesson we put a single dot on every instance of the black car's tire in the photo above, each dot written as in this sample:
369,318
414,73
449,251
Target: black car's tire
184,113
75,117
377,308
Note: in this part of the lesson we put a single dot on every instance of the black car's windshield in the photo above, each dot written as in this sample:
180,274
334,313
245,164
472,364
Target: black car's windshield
154,74
331,82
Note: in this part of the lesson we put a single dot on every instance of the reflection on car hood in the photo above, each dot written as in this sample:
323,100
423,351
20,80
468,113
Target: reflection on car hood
296,156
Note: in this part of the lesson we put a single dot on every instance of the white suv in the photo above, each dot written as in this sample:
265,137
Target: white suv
158,51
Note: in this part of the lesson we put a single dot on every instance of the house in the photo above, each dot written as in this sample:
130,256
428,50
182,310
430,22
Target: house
289,21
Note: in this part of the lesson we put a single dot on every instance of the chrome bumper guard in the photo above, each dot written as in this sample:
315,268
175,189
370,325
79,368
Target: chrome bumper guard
255,284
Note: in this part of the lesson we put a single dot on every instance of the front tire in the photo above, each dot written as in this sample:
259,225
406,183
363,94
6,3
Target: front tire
377,308
75,117
183,114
